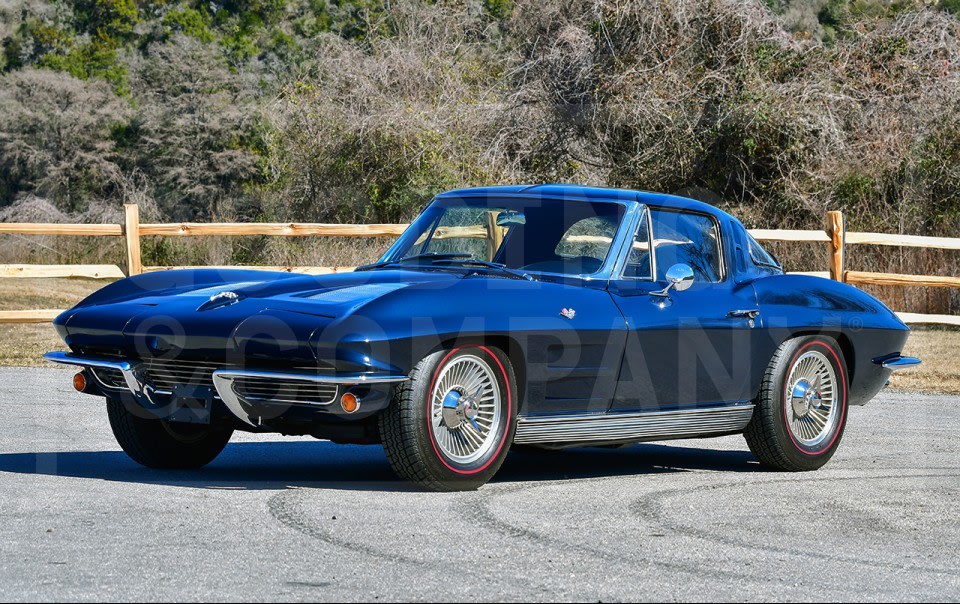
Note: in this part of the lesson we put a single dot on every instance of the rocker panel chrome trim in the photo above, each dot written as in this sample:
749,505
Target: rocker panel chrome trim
627,427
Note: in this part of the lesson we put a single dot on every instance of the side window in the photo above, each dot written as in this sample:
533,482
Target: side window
638,260
691,239
759,255
588,238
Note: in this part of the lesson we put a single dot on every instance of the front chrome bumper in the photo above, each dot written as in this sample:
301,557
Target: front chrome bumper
223,381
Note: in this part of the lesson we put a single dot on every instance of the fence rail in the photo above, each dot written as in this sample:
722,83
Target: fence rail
53,228
290,229
834,235
89,271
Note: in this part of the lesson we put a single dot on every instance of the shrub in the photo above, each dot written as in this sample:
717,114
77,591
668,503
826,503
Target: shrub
196,136
94,59
190,22
55,137
111,18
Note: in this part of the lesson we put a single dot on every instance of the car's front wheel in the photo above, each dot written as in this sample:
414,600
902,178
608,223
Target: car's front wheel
157,443
802,408
450,425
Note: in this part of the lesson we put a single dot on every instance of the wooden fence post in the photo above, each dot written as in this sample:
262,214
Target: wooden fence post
131,236
494,234
836,230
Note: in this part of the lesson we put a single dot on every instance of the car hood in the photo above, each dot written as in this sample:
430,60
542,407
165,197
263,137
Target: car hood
323,295
207,314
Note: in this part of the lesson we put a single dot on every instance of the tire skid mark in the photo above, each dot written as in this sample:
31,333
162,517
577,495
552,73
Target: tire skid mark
283,508
653,507
485,516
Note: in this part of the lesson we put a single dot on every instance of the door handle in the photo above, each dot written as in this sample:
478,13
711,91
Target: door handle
744,313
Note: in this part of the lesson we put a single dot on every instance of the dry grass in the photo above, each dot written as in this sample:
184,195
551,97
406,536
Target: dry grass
22,294
939,349
22,345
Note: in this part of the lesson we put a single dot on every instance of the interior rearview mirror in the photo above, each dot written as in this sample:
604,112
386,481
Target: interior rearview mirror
509,218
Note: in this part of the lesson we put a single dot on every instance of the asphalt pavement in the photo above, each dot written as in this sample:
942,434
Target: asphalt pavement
299,519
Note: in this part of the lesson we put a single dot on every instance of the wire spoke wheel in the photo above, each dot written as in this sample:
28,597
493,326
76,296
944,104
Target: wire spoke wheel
450,426
811,399
465,409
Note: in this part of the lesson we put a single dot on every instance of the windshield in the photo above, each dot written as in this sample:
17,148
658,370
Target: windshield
565,237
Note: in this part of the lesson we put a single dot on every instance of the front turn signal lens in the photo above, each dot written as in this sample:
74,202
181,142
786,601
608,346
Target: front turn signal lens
80,382
349,402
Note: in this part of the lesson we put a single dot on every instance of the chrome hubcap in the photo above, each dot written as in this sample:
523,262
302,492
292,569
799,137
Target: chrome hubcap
805,398
459,408
812,411
465,405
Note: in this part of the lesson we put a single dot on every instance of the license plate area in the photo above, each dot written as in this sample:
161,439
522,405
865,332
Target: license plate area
191,404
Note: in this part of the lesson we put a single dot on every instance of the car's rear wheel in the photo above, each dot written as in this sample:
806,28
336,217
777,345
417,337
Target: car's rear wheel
802,408
450,425
157,443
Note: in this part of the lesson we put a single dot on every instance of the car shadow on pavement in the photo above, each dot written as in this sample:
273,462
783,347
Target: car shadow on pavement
321,464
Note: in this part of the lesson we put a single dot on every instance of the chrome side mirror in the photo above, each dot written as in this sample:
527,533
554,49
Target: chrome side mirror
679,277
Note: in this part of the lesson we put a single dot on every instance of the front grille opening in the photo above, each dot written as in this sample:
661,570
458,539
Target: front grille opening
297,392
111,378
164,374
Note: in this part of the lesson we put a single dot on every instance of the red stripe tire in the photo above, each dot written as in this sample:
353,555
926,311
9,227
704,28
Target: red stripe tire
801,410
450,426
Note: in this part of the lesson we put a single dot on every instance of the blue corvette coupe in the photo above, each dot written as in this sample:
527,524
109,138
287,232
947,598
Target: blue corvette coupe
541,316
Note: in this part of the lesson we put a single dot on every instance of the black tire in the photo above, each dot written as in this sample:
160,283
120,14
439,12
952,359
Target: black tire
160,444
406,426
769,434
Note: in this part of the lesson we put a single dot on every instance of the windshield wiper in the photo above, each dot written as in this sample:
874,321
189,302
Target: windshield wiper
426,255
460,258
483,263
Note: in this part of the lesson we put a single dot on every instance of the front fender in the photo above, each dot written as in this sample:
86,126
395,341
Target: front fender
570,361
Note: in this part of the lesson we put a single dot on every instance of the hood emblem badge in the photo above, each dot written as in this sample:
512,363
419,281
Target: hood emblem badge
220,299
568,313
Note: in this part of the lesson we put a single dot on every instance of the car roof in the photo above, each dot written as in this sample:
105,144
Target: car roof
562,191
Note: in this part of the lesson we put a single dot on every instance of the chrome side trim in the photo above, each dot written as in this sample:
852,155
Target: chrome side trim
897,362
223,380
632,427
